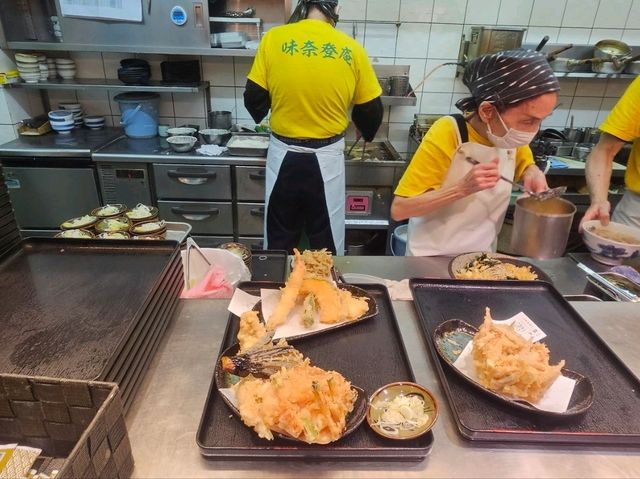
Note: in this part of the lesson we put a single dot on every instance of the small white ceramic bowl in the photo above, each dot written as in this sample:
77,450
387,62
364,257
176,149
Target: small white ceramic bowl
604,242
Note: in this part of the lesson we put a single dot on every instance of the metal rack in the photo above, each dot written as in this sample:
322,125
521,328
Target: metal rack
102,84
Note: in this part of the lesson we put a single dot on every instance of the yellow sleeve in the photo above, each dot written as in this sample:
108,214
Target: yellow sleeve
623,120
524,159
367,85
428,167
258,72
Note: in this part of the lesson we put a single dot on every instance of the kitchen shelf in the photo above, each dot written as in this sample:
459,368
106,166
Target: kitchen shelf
593,75
102,84
399,100
256,21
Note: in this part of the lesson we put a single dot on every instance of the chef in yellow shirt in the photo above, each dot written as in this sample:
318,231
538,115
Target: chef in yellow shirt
621,125
451,191
309,74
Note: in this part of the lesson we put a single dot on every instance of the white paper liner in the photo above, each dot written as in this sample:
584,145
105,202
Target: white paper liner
556,398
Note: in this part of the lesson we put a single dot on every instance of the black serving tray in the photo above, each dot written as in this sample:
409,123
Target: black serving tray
269,265
370,354
69,306
613,418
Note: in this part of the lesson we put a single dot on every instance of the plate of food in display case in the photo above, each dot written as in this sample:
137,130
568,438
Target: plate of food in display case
506,360
311,302
494,266
277,392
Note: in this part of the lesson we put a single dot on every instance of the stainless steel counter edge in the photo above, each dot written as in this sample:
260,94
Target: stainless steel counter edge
80,143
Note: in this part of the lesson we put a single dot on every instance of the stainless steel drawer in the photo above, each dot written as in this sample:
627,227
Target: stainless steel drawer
205,217
250,183
192,182
251,218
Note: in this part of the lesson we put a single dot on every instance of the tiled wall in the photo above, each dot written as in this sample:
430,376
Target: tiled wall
419,33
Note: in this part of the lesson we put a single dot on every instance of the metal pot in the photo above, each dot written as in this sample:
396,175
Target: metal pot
566,65
541,228
608,55
220,120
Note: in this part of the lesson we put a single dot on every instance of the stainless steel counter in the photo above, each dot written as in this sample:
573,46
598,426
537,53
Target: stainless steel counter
81,142
164,418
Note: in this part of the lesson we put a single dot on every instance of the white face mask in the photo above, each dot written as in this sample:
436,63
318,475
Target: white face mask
511,139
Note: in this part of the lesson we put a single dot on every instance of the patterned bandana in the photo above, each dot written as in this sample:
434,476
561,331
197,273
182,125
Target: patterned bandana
507,77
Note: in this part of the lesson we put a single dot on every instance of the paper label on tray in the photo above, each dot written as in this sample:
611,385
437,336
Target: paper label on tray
555,399
525,327
241,302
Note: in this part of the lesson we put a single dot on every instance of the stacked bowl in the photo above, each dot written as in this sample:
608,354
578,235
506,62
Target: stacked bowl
134,71
76,109
94,122
66,68
61,121
51,65
28,66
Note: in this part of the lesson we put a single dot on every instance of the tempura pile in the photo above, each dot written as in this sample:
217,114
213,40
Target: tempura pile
310,284
485,267
508,364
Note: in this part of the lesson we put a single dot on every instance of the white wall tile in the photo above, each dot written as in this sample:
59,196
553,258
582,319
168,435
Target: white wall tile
591,87
242,114
201,123
404,114
449,11
444,41
585,111
399,136
5,117
568,86
535,34
95,102
155,61
576,36
61,96
634,15
6,61
413,40
547,13
598,34
612,14
514,12
349,28
442,79
19,105
483,12
616,87
416,10
380,40
241,67
383,9
7,133
606,106
416,69
111,63
351,10
167,120
223,98
189,105
89,64
560,115
580,13
218,70
454,99
435,103
631,37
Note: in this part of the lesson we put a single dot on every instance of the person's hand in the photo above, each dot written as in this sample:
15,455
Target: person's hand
597,211
534,180
482,176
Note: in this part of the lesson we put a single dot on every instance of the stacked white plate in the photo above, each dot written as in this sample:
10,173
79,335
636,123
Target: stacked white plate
51,64
94,122
76,109
61,121
66,68
44,68
28,67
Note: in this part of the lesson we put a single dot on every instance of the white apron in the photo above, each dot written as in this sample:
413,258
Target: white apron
471,223
332,167
628,209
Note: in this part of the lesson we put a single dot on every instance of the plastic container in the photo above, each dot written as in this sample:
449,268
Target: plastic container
139,113
541,228
399,241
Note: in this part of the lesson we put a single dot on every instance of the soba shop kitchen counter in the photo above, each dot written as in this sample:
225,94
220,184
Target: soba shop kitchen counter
164,418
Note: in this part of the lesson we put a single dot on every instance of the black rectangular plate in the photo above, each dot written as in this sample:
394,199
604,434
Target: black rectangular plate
613,418
70,305
269,265
370,354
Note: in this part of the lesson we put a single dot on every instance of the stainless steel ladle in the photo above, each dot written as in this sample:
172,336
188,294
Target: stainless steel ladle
541,196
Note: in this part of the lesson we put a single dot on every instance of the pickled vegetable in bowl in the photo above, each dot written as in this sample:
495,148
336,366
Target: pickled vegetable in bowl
79,222
75,233
112,225
141,212
148,227
108,211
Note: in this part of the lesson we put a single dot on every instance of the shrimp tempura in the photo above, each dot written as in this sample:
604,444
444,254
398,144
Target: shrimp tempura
289,294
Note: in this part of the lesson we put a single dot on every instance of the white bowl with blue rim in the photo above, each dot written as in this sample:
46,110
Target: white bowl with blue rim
611,244
60,116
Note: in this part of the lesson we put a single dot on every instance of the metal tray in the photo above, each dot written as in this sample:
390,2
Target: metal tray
269,265
244,151
177,231
348,351
611,420
81,298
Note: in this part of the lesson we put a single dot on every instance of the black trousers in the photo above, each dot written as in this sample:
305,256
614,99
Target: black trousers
297,203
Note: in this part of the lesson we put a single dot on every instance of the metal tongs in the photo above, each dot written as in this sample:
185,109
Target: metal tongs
364,148
541,196
607,286
192,245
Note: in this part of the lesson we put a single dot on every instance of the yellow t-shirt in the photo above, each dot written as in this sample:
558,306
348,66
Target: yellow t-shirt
313,73
429,165
624,122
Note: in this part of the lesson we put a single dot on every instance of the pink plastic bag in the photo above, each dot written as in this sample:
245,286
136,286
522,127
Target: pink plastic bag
213,285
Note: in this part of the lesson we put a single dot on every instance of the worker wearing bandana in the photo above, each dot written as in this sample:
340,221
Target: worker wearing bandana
451,191
309,74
